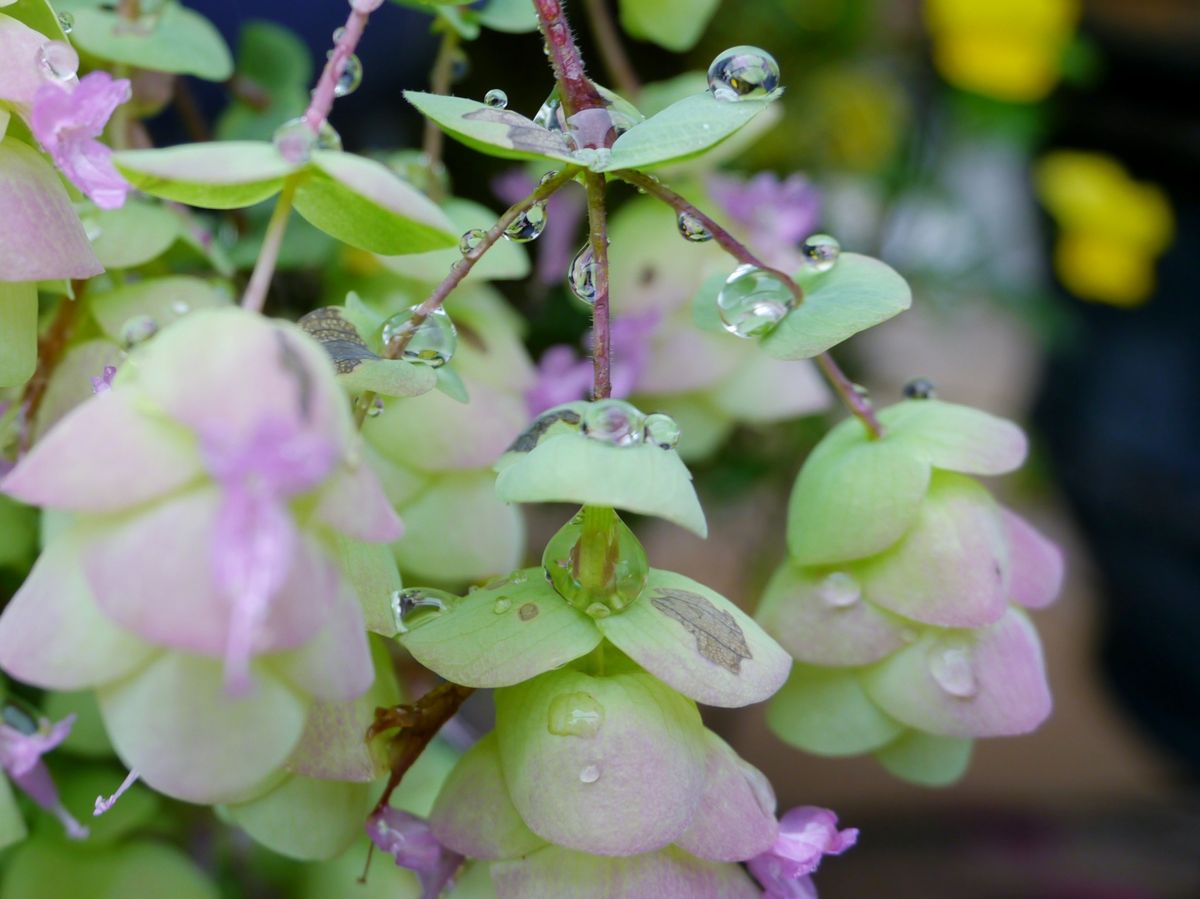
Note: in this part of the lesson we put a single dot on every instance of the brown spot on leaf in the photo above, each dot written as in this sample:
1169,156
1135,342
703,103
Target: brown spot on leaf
522,133
339,337
529,611
532,435
719,638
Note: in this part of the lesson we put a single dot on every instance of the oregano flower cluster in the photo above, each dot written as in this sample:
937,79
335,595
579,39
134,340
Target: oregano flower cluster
278,548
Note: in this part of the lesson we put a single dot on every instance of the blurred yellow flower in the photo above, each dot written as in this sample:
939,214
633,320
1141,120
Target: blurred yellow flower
1111,228
1008,49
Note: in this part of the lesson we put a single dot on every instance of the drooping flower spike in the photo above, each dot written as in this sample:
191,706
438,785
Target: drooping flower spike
806,835
23,742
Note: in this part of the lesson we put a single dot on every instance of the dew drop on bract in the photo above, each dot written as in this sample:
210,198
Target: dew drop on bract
839,590
550,116
496,98
614,421
58,60
581,276
432,342
296,141
743,73
547,178
528,225
575,715
691,228
821,252
339,33
952,667
137,329
589,774
350,77
661,430
419,605
471,240
66,22
501,605
920,389
753,301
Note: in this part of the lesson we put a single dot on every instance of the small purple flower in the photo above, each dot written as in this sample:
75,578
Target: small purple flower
103,382
67,119
806,834
23,742
775,214
410,841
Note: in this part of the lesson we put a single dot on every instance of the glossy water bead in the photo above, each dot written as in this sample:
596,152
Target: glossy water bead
743,73
691,228
614,421
295,140
527,226
661,430
581,277
432,343
821,252
350,77
753,301
496,98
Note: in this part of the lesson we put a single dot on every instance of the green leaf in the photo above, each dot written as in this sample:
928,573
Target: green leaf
46,867
390,377
163,299
362,203
18,331
513,16
496,132
956,437
174,39
450,383
134,234
38,15
673,24
698,642
505,261
371,569
12,822
857,293
681,131
332,814
825,711
217,175
927,760
572,468
502,635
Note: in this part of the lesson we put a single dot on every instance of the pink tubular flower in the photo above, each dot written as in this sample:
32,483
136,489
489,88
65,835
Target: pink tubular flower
67,119
410,841
23,742
806,834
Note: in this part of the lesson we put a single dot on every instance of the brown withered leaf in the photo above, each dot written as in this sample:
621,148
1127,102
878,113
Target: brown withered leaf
339,337
523,134
532,435
719,638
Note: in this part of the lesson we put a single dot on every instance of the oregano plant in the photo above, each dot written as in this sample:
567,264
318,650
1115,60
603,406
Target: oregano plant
264,554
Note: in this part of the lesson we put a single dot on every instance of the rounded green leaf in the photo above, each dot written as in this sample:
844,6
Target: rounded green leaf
673,24
389,377
857,293
163,299
173,39
505,261
572,468
503,635
925,759
956,437
219,175
133,234
496,132
306,818
825,711
38,15
44,868
606,765
18,332
361,202
698,642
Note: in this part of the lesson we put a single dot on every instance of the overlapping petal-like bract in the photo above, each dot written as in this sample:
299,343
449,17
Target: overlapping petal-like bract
195,586
903,601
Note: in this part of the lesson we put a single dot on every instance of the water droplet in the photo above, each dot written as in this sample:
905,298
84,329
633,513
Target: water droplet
58,60
613,421
575,715
547,178
296,141
581,276
743,73
661,430
951,665
839,590
518,577
621,578
376,408
92,229
137,329
528,225
419,605
66,22
496,98
501,605
471,240
920,389
692,229
753,301
590,774
550,116
597,610
433,341
339,33
179,307
821,252
350,77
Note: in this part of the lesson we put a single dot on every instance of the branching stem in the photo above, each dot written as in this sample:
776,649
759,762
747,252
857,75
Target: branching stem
850,395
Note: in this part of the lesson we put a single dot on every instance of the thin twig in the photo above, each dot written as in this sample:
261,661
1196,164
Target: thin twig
264,267
854,400
612,50
601,334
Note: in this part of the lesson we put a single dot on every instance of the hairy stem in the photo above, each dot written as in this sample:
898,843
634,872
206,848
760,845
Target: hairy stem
612,51
601,332
323,93
433,140
854,400
576,91
264,267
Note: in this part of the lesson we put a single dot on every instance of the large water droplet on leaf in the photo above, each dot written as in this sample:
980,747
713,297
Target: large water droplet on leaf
604,566
432,341
575,715
66,22
496,98
661,430
743,73
821,252
614,421
58,60
419,605
753,301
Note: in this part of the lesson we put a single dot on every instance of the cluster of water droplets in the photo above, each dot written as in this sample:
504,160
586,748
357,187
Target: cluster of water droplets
619,423
430,342
296,141
743,73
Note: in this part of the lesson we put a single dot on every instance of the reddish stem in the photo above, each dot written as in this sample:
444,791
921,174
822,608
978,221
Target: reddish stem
850,395
601,333
52,346
323,93
575,88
